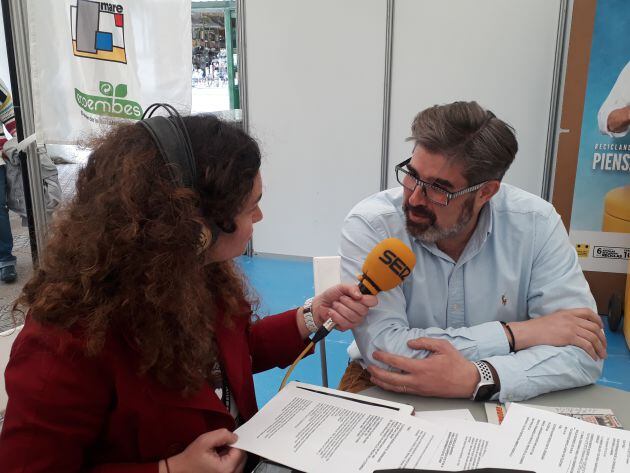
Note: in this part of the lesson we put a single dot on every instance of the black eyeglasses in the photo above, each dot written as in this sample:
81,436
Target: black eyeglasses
434,193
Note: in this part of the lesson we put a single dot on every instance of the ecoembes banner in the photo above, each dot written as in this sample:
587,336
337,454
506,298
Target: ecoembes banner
97,63
600,218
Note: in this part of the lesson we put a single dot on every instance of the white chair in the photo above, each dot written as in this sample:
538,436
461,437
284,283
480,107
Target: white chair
326,273
6,341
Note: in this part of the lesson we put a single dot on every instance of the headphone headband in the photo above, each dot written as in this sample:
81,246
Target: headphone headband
172,140
171,137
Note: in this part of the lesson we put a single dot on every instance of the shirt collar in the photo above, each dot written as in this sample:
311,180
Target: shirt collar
481,233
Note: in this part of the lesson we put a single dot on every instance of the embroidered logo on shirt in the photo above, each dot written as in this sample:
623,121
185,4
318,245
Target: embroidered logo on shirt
504,300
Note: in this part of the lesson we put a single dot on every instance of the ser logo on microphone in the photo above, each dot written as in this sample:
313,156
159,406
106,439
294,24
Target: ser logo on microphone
395,264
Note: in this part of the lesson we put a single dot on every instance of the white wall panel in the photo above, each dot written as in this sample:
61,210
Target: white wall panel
498,52
315,74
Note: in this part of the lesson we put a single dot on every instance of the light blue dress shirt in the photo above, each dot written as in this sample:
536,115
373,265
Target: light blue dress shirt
518,264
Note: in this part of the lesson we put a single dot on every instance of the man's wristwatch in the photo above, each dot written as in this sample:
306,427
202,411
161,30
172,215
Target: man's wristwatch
487,385
308,316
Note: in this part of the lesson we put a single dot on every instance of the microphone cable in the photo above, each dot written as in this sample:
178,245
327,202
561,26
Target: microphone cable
295,363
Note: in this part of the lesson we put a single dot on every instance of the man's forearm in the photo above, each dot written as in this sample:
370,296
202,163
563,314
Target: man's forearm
474,343
542,369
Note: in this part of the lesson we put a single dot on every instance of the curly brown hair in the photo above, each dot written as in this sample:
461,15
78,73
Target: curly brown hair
122,258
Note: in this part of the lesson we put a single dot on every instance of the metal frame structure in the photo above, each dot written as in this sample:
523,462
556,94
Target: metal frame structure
15,17
228,8
387,94
228,14
555,112
241,46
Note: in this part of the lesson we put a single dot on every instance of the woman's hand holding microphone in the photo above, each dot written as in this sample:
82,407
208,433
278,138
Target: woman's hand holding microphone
343,304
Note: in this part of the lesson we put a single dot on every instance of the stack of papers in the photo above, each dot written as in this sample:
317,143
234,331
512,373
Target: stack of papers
543,441
315,429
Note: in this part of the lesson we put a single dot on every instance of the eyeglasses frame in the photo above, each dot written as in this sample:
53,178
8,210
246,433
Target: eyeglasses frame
449,195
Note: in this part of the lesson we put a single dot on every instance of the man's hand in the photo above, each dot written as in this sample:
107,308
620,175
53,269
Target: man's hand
619,119
582,328
444,373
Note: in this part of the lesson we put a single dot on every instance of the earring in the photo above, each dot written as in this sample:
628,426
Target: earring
205,237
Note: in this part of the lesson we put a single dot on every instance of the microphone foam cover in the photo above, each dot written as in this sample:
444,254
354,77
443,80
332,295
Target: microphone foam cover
387,265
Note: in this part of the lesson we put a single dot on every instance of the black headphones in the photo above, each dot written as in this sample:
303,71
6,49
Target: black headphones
173,143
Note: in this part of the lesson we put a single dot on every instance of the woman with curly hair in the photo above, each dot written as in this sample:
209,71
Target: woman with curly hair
139,345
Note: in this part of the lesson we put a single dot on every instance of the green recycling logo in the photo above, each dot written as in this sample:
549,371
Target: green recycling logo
111,102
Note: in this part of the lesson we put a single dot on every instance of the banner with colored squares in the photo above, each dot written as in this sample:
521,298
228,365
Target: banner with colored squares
98,31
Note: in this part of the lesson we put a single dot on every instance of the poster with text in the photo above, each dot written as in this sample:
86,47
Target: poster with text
600,218
96,63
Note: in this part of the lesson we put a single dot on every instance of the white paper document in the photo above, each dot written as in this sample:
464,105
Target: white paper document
314,429
464,446
543,441
443,416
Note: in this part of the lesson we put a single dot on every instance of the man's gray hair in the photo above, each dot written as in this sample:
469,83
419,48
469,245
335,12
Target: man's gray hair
470,135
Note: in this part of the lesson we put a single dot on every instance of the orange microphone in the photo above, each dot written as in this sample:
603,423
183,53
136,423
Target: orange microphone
385,267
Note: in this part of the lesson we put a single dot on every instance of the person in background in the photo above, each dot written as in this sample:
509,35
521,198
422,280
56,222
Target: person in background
139,344
497,306
8,274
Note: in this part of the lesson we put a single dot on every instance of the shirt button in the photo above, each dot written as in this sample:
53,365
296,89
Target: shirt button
455,306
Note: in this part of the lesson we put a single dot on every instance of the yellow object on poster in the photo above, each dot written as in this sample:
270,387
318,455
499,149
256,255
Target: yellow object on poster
617,210
582,249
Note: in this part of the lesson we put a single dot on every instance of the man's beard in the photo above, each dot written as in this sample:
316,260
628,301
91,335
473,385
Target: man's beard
431,232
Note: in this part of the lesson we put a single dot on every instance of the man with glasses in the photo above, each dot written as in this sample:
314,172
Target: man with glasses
497,306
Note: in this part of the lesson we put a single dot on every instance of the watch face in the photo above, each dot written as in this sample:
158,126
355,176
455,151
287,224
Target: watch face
485,392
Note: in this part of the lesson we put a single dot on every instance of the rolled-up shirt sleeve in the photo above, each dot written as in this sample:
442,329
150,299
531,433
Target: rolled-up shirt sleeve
557,282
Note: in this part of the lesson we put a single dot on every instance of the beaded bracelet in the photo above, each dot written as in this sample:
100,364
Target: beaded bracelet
511,339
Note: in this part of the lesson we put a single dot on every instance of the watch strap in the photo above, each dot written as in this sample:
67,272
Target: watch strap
307,311
486,379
